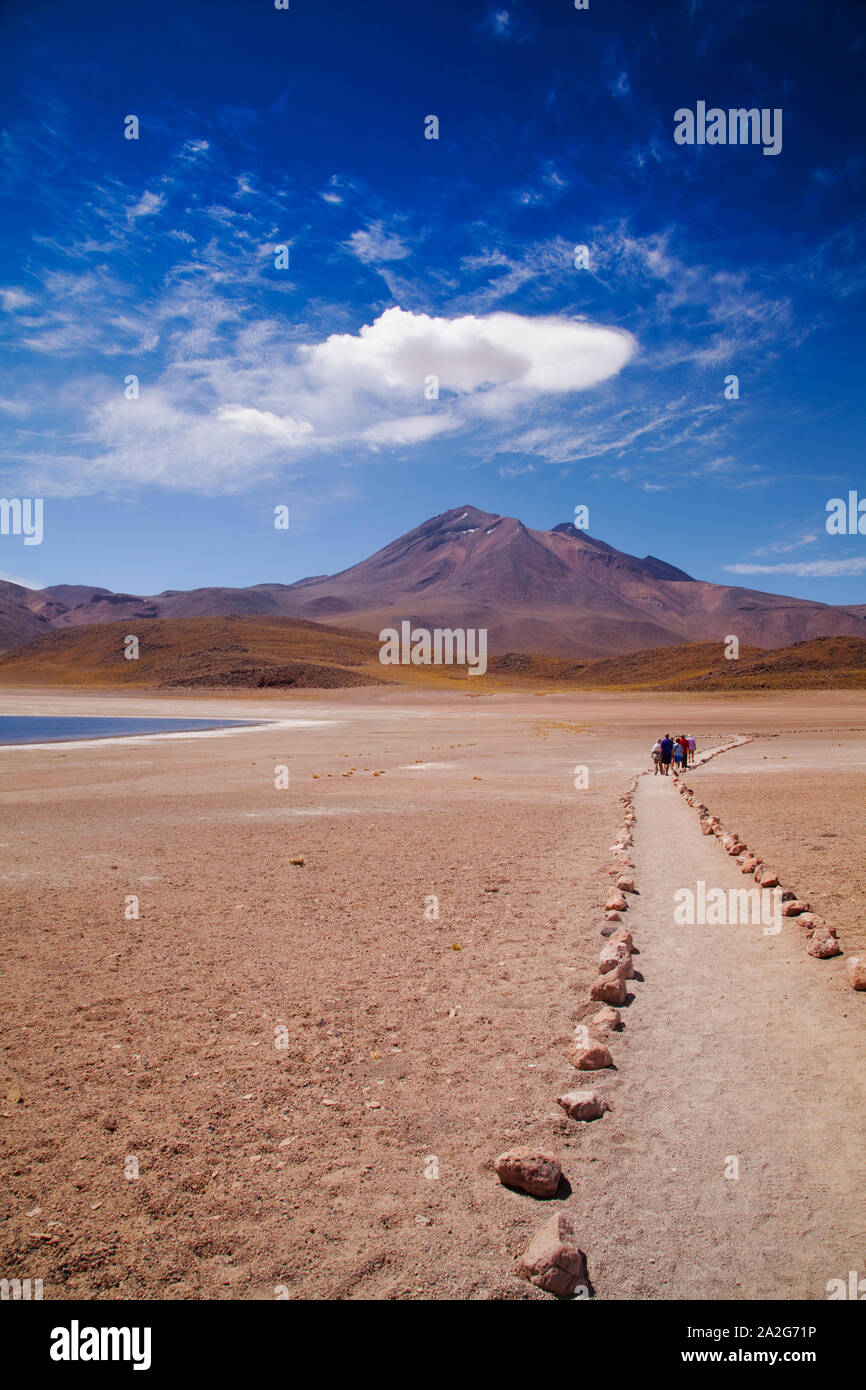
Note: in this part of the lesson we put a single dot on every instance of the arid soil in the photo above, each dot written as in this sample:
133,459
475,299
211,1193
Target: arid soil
732,1165
311,1072
799,799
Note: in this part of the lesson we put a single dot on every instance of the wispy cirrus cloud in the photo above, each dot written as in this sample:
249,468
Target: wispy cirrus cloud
805,569
373,244
251,372
785,547
236,401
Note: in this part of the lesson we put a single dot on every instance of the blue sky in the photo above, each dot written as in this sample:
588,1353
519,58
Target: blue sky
409,257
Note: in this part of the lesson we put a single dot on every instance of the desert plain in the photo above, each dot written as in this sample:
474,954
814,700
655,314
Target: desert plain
291,1079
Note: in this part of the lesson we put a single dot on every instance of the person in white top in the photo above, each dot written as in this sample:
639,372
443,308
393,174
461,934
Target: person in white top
656,755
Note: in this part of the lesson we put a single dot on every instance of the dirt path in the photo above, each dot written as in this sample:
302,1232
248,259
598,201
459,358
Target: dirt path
737,1044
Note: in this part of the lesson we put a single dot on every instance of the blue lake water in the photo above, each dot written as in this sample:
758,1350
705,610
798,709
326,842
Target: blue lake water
50,729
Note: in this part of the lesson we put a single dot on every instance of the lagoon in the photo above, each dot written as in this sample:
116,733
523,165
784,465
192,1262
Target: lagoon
53,729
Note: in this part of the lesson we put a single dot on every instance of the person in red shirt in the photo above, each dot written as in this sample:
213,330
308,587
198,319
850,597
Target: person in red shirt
684,744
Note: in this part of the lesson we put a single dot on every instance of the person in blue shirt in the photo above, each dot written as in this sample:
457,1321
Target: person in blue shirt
667,744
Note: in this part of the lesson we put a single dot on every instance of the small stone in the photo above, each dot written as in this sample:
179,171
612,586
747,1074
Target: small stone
529,1170
616,903
855,971
553,1261
593,1057
626,884
607,1020
612,916
583,1105
768,880
623,934
794,907
810,920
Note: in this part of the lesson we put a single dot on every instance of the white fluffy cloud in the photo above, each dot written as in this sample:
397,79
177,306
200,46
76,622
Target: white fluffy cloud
471,354
258,404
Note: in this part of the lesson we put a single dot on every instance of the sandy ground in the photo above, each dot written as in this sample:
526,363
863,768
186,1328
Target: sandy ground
733,1165
800,801
309,1077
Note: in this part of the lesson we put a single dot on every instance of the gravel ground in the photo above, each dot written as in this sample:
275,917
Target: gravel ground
309,1071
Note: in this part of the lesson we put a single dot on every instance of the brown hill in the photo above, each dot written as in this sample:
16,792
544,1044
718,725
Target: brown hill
557,592
196,653
258,653
826,663
26,614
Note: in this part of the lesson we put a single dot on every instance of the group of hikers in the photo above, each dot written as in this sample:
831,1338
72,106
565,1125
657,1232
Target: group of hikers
667,750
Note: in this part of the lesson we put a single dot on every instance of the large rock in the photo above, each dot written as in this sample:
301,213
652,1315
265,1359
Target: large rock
594,1057
822,943
616,956
529,1170
855,971
583,1105
767,879
616,903
625,884
609,989
794,907
553,1260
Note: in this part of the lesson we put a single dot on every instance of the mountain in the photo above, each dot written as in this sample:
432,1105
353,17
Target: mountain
559,592
26,614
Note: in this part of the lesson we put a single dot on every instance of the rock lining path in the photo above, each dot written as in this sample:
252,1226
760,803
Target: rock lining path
736,1044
